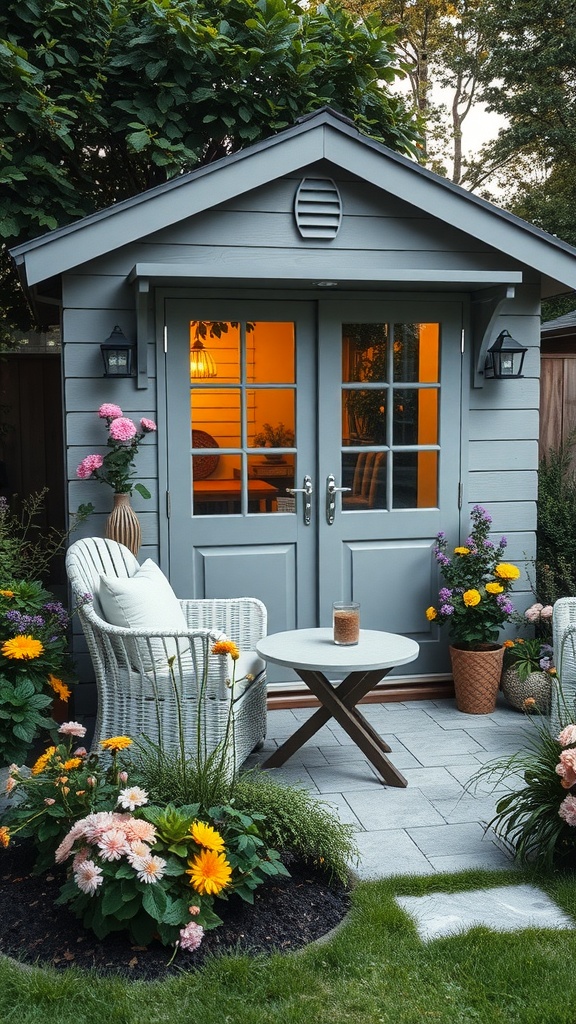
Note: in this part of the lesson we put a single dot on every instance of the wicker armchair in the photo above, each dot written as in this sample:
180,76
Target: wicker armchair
563,708
137,693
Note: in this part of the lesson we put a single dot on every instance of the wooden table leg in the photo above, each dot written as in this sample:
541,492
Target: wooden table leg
337,704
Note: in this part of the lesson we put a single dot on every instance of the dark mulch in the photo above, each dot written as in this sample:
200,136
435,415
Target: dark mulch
288,913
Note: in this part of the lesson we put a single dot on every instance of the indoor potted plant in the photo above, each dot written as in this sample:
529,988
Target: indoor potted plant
279,436
474,602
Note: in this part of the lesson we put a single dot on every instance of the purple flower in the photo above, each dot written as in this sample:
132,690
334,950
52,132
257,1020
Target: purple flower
444,594
504,604
545,664
447,609
503,542
442,559
22,623
488,544
441,535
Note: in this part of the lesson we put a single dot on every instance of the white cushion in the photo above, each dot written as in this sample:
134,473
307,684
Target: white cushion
144,601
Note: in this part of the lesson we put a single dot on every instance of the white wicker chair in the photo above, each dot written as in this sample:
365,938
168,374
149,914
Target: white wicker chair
136,693
563,709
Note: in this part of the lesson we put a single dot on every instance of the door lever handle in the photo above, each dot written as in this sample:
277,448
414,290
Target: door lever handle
331,492
307,492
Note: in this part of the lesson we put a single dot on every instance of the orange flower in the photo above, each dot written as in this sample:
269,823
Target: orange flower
116,743
508,643
207,836
209,872
72,762
43,760
4,836
226,647
6,593
60,688
22,647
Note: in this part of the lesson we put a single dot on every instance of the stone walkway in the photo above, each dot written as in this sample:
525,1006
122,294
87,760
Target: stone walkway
433,825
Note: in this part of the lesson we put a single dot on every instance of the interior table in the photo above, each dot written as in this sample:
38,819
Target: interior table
229,491
314,656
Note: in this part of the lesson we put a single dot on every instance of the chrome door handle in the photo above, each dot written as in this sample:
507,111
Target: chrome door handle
307,492
331,491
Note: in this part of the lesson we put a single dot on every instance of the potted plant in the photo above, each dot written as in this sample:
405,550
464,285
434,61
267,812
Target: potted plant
116,468
474,603
526,679
279,436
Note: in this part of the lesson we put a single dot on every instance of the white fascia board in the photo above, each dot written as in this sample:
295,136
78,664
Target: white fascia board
94,236
454,206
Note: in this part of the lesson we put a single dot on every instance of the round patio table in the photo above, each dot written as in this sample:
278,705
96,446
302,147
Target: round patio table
313,655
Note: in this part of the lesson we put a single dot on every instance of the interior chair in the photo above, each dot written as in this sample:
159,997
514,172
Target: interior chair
135,627
367,483
563,705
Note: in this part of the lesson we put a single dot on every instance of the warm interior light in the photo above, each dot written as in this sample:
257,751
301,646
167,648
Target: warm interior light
202,364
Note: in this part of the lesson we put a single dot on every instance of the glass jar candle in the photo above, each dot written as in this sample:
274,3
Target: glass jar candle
346,622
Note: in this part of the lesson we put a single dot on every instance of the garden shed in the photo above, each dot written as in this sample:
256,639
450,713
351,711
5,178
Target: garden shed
320,286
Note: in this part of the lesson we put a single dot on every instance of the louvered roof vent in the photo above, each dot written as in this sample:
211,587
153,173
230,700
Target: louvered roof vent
318,208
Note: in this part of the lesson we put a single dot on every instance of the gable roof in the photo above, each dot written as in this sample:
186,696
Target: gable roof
561,325
323,135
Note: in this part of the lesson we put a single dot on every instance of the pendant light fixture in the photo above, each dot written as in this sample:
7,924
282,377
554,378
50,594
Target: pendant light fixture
202,364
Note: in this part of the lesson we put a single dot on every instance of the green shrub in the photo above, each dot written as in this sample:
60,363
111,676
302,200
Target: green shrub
556,535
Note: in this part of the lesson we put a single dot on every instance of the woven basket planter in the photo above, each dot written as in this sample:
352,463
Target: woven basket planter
536,687
476,678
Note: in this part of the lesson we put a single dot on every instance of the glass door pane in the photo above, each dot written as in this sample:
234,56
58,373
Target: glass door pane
243,416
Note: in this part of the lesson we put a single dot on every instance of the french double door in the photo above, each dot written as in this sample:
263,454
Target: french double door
313,454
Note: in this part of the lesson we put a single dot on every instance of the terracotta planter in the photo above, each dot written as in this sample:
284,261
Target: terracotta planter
476,677
536,687
123,525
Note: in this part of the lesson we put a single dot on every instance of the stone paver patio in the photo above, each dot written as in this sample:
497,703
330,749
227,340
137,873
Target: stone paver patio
435,824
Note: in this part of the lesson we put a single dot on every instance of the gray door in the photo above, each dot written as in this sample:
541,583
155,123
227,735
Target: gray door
265,399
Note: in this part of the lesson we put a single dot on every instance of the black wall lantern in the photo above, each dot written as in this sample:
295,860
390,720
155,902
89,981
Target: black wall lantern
117,354
505,358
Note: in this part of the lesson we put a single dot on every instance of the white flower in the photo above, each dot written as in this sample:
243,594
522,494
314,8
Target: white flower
132,798
88,876
72,729
151,869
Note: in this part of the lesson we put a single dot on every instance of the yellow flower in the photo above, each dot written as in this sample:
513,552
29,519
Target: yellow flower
60,688
226,647
209,872
116,743
207,836
461,551
25,647
4,836
43,760
506,571
72,762
6,593
471,598
431,613
494,588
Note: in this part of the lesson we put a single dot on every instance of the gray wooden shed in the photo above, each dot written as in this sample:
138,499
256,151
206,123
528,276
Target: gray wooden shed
348,294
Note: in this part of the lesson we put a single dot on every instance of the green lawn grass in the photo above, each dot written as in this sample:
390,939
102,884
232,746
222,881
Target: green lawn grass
373,969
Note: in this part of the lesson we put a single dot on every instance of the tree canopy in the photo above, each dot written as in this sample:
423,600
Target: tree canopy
102,99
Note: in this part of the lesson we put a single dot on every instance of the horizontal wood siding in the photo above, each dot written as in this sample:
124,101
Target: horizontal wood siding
503,450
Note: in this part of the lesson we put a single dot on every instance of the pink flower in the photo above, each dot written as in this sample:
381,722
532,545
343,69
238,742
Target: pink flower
88,876
88,466
147,426
547,612
191,936
138,852
112,844
108,411
72,729
567,809
567,768
135,828
130,799
123,776
91,781
65,848
151,868
567,736
49,800
193,910
79,857
533,613
80,752
122,429
10,784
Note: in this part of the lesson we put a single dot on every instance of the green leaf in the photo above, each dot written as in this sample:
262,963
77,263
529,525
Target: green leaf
154,901
142,490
